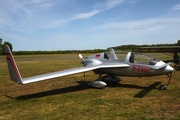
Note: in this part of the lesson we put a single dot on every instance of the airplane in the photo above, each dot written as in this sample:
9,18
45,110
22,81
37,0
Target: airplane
101,63
163,49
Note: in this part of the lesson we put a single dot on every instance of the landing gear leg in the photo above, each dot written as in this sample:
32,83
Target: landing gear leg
99,78
163,87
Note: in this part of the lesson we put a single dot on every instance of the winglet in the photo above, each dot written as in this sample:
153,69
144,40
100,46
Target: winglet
13,69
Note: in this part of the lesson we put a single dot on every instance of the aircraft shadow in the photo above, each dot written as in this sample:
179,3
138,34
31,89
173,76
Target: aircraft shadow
141,94
83,86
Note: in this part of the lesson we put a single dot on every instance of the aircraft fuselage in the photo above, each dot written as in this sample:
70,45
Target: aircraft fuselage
135,70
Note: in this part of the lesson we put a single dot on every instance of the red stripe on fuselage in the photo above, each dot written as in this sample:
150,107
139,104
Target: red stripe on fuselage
13,64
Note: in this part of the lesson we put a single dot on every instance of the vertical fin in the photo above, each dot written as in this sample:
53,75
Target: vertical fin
12,67
112,54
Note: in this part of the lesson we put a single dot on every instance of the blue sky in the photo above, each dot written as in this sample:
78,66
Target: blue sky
88,24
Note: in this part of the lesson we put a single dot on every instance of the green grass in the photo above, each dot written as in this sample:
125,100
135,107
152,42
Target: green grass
69,97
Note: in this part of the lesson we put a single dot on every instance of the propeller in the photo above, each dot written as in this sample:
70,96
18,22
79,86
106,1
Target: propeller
80,56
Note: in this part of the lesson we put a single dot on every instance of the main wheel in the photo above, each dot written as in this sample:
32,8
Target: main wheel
162,87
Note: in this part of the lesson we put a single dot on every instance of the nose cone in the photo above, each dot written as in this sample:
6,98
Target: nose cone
169,69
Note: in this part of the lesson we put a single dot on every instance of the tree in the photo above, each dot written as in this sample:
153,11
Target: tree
1,46
178,43
9,44
1,41
2,50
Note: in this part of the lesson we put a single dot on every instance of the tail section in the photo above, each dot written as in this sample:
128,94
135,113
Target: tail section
12,67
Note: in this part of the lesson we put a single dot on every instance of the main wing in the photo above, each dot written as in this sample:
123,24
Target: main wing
16,76
160,49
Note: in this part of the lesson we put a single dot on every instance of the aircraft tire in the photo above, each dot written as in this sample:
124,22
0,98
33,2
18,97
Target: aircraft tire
162,87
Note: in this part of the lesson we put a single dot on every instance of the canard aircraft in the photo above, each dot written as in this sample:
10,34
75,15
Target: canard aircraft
133,65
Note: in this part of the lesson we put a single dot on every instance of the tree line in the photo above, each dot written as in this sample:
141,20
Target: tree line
2,50
132,46
57,52
122,47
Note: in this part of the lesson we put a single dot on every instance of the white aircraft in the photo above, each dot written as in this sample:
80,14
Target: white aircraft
101,63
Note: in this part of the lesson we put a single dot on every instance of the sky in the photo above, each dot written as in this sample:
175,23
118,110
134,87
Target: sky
88,24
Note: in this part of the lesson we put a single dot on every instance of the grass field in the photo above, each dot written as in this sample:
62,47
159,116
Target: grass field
69,98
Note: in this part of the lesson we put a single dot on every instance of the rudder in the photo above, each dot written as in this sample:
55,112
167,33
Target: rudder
12,67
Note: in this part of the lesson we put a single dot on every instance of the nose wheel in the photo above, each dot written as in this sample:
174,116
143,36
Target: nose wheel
162,87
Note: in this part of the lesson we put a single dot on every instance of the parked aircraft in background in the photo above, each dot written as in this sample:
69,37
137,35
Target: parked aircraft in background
175,50
134,65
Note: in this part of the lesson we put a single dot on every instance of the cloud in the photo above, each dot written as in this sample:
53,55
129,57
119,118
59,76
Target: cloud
24,16
86,15
52,23
36,1
45,6
152,24
97,8
31,14
176,7
108,4
132,1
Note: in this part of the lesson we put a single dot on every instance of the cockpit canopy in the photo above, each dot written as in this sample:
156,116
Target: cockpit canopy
132,57
135,57
141,58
